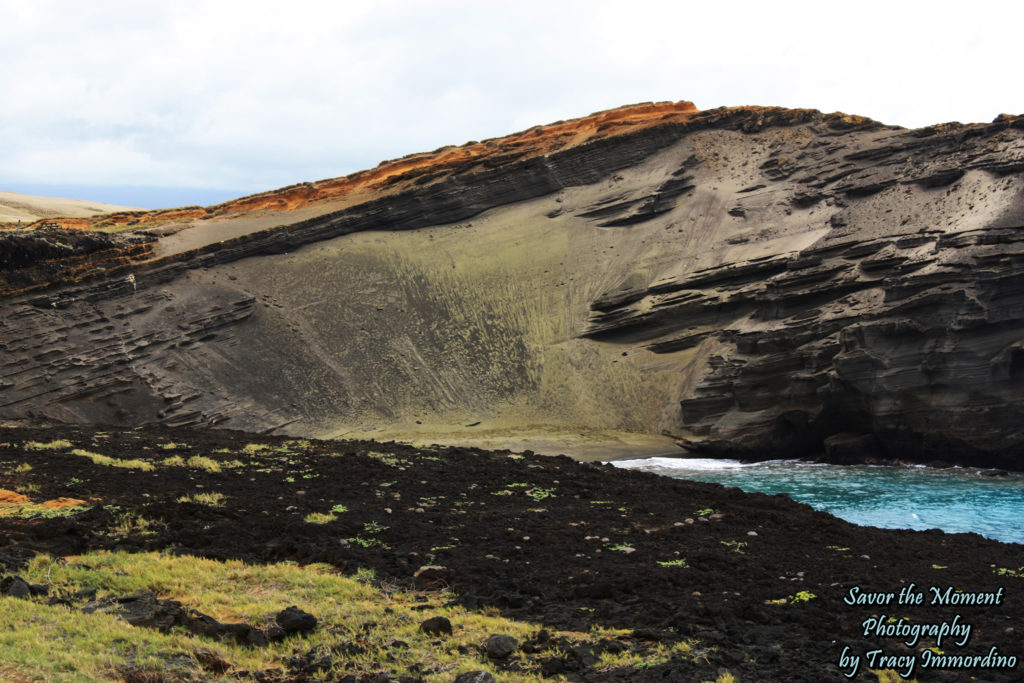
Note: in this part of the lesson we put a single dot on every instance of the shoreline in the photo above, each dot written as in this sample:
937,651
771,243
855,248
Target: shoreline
589,446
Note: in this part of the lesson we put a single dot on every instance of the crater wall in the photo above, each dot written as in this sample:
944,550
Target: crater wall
756,282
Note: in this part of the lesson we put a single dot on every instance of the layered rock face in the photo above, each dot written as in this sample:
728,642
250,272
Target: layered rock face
48,256
758,282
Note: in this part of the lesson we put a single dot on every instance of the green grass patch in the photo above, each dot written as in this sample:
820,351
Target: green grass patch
801,596
681,563
33,511
451,545
97,458
374,527
215,500
107,461
735,546
539,494
132,524
57,445
55,643
532,490
388,459
203,463
320,517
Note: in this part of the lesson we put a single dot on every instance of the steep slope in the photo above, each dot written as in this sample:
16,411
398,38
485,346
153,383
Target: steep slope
755,281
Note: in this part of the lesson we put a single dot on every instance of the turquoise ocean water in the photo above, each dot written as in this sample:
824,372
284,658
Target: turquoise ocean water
954,500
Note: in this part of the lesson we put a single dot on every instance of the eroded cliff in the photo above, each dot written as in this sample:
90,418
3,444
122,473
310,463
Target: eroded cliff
758,282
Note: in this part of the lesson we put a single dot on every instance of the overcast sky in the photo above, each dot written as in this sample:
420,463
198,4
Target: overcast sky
202,101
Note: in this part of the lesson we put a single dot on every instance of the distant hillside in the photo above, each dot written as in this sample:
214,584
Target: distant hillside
27,208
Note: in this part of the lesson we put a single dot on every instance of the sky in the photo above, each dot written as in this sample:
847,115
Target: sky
160,104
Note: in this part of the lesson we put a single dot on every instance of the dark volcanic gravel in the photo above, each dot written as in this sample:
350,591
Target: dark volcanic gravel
546,539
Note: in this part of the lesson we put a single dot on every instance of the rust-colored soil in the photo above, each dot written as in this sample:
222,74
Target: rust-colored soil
63,503
12,497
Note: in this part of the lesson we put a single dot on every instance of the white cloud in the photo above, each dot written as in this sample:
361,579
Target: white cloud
253,95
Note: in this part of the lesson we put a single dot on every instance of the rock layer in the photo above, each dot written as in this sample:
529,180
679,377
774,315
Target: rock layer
759,282
913,339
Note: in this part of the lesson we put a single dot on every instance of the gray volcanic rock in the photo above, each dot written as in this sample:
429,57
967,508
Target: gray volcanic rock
757,282
913,338
500,645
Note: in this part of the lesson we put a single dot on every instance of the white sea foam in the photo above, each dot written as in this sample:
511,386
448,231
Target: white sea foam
686,464
671,466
